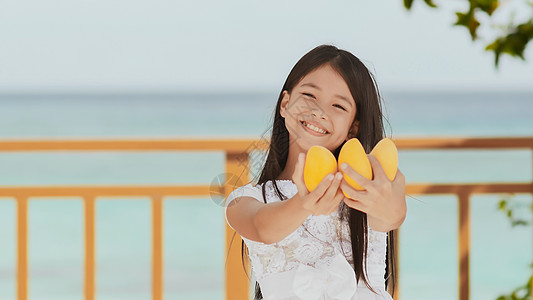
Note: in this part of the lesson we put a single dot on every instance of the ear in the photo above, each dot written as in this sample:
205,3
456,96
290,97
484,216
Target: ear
284,103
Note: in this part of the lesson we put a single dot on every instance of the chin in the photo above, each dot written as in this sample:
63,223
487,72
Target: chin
309,143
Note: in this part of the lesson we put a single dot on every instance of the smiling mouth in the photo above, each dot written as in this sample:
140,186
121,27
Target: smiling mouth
314,128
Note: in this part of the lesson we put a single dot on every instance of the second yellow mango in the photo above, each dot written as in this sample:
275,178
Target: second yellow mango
353,153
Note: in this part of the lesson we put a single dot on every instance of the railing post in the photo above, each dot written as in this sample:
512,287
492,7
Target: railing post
236,280
89,204
22,248
464,245
157,248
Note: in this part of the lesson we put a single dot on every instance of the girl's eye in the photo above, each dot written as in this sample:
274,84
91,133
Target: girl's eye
340,107
308,95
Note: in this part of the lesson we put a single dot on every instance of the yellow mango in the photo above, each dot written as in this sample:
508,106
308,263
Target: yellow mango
319,162
387,154
353,153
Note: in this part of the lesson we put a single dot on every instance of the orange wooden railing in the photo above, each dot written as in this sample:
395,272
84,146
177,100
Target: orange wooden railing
464,191
237,158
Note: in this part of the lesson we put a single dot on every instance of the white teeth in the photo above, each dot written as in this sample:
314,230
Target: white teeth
314,128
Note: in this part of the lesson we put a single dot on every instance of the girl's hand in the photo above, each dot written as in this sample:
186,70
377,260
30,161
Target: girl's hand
382,200
325,198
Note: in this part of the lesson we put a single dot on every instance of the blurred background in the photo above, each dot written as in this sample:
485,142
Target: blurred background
203,69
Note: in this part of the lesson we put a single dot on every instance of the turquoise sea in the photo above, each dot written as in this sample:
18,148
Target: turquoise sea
193,232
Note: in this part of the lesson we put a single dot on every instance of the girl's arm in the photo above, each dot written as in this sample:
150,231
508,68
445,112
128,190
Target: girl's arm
272,222
266,223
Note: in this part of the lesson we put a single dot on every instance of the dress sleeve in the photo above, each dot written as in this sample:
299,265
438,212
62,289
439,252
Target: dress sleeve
244,191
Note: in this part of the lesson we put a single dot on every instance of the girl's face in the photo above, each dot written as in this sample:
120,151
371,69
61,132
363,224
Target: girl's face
320,110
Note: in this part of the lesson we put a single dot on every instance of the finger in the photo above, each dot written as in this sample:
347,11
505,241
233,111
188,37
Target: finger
332,188
334,204
338,199
399,177
328,199
297,176
353,193
377,168
355,204
322,187
358,178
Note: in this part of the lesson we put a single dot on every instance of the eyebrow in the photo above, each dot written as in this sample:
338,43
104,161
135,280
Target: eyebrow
316,87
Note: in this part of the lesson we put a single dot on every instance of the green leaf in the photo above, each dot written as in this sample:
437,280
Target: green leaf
496,47
502,205
408,3
469,21
430,3
520,293
519,223
488,6
513,43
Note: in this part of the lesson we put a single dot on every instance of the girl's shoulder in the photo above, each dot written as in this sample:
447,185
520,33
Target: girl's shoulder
286,187
248,190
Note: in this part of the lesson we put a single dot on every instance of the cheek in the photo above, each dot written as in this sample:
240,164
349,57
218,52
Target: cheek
344,124
291,123
290,116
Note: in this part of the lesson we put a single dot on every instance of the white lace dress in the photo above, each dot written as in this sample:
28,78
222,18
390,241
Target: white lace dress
312,263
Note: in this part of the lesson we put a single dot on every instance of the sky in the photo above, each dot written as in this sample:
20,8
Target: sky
248,45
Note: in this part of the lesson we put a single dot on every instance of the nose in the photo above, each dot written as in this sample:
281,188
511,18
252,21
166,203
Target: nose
318,112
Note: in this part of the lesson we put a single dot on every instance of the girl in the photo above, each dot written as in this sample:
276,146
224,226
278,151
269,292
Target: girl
321,244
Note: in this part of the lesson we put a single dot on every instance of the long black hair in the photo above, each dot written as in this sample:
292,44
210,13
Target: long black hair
369,131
